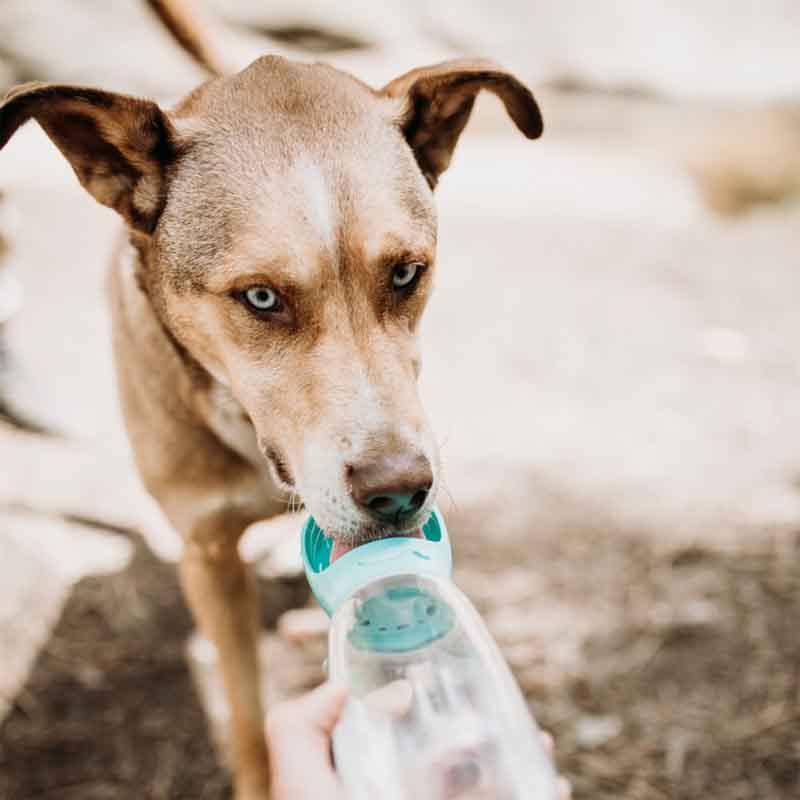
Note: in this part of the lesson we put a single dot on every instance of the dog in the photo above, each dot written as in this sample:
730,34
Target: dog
279,253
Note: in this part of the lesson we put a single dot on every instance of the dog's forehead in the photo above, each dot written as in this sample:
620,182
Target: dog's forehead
363,199
276,103
274,76
292,160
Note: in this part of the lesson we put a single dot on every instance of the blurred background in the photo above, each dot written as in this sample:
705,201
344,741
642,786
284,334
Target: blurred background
611,363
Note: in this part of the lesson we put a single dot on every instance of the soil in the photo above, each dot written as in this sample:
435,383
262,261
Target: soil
693,673
110,710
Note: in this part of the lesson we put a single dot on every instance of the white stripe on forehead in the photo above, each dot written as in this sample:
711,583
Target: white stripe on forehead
318,206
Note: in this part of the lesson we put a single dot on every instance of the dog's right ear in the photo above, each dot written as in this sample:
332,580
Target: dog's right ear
436,103
118,146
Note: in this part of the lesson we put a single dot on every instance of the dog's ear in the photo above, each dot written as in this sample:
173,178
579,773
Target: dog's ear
118,146
438,100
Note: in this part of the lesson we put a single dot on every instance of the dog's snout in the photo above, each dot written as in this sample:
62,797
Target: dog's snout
391,487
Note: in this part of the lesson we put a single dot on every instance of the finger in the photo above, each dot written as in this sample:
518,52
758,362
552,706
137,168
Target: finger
548,743
298,735
564,789
394,698
322,708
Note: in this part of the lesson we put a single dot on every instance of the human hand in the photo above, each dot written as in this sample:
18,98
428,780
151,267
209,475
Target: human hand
299,740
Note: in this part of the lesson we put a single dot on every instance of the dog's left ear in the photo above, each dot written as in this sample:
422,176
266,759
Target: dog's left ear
118,146
438,100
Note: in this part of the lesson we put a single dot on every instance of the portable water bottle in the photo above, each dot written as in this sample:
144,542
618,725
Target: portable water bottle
434,712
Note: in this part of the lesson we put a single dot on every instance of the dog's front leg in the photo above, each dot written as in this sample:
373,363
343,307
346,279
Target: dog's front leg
221,593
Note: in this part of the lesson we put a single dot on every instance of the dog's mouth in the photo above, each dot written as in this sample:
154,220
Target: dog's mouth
341,548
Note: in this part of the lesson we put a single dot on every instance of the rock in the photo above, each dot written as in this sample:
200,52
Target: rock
511,626
541,679
273,545
698,613
46,43
31,598
524,655
360,20
559,40
596,730
42,558
102,486
290,668
507,587
301,625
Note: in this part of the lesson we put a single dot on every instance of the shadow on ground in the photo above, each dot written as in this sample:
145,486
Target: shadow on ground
684,682
710,700
110,710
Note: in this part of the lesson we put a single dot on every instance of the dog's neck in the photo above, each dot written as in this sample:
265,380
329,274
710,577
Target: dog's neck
207,396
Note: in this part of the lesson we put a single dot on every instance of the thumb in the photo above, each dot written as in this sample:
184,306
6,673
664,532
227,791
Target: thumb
312,716
322,708
299,734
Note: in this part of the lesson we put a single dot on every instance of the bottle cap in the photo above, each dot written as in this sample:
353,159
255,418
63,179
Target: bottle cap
399,618
428,553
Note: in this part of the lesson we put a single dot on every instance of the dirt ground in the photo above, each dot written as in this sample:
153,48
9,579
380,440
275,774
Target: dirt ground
110,709
690,690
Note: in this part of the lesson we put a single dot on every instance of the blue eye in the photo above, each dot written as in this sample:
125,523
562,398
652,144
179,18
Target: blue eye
403,275
262,298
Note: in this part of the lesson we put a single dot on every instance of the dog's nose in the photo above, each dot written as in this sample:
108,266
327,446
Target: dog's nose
391,487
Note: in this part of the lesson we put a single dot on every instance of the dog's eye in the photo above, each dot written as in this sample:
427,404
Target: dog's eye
406,275
262,298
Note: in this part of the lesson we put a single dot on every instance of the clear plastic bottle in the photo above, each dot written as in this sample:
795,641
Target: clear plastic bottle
434,712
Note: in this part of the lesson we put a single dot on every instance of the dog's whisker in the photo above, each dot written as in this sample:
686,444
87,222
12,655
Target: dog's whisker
449,494
443,439
295,502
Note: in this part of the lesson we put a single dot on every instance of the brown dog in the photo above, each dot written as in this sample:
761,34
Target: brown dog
280,252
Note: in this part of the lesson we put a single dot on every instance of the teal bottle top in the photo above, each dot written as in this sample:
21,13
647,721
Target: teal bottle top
386,621
400,618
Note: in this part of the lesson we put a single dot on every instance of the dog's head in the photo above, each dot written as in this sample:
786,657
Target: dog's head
287,228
